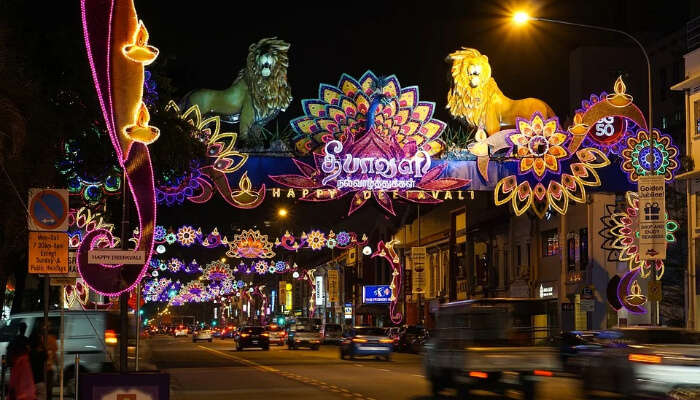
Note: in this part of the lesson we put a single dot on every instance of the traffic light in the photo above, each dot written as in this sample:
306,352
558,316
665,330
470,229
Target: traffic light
145,321
280,321
213,323
141,311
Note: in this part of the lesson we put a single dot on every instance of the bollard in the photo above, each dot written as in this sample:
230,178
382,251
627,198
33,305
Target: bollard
77,374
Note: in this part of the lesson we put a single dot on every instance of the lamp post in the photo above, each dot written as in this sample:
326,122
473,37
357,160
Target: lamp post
520,18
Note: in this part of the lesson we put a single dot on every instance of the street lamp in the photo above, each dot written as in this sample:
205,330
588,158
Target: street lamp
521,17
282,212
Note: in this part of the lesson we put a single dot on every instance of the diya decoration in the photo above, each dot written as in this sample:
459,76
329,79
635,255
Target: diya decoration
217,271
629,294
552,170
624,229
369,138
91,186
608,134
185,236
650,154
262,267
387,252
317,240
197,186
250,244
117,48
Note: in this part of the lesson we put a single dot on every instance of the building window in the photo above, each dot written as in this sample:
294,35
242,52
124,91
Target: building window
571,252
550,243
583,247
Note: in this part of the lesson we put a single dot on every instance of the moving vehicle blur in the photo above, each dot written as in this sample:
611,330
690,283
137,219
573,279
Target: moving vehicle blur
366,341
331,333
412,339
498,345
229,332
202,334
304,333
253,336
180,330
645,361
277,335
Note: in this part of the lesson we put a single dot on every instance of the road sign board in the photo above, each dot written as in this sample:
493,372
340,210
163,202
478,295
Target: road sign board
48,253
116,257
652,217
48,210
62,281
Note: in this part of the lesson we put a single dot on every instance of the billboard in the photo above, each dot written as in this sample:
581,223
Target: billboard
376,294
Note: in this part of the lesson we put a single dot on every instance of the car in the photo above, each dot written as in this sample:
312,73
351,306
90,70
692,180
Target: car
331,333
216,332
304,334
393,332
642,361
253,336
228,332
277,334
366,341
412,338
180,330
202,334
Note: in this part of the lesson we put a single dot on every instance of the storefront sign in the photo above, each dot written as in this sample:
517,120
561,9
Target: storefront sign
283,292
332,286
319,290
547,291
348,310
652,217
376,294
418,255
288,293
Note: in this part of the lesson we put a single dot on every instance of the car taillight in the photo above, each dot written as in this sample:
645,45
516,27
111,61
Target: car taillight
478,374
244,335
359,340
540,372
386,341
645,358
266,334
111,337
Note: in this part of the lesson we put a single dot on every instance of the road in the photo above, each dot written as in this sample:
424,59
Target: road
217,371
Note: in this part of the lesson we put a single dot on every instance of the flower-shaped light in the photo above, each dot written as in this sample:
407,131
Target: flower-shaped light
316,239
652,154
170,238
186,235
539,144
261,267
175,265
343,239
159,233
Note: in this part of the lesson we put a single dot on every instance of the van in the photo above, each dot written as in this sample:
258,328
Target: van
92,335
331,333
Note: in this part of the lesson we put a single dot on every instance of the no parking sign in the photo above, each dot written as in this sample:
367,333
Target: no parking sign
48,210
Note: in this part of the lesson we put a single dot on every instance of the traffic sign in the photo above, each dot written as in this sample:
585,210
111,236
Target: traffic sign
117,257
48,210
48,253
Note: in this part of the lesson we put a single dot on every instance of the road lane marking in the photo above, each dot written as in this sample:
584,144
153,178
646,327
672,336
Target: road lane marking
241,360
382,369
420,376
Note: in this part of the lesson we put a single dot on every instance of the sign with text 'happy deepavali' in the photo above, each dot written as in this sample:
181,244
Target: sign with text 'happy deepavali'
116,257
652,217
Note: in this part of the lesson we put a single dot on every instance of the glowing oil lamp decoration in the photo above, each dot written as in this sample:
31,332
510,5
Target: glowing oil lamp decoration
139,50
245,197
636,298
141,131
620,98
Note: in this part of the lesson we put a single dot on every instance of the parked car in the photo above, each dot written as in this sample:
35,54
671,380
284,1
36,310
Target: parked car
276,334
180,330
412,338
393,332
304,334
216,332
228,332
92,334
495,345
331,333
202,334
636,362
365,341
253,336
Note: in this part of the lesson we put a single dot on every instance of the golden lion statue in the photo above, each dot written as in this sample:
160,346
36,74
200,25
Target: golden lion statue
259,92
476,98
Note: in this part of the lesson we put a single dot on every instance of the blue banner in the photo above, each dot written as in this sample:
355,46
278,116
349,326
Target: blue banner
376,294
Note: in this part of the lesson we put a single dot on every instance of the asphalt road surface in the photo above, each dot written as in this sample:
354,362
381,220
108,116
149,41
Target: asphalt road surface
216,370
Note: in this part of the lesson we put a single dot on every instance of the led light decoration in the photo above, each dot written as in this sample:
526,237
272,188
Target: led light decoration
539,148
609,133
186,236
250,244
342,240
81,222
92,186
629,293
386,251
262,267
647,154
117,48
624,228
377,141
81,293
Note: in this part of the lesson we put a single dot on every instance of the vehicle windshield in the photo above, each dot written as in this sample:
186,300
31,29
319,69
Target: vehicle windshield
306,328
370,332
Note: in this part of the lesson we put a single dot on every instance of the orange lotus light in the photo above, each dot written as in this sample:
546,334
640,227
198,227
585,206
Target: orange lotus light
139,50
141,132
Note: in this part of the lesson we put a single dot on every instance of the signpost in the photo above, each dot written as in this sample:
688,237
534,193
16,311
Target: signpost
652,217
418,255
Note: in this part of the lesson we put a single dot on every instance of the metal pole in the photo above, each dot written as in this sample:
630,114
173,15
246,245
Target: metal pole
124,297
77,375
138,323
46,333
420,294
63,329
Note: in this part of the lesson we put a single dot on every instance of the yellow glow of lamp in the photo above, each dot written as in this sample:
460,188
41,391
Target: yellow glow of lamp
521,17
282,212
139,50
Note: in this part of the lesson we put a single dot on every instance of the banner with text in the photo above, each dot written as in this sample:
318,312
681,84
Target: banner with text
652,217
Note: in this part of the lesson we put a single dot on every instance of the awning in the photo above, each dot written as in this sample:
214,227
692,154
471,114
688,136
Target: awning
689,83
689,175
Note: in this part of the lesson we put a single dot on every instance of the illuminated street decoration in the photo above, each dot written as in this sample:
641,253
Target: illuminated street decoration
377,141
624,228
550,173
342,240
92,186
118,49
652,154
250,244
609,133
83,221
386,251
476,99
262,267
186,236
629,293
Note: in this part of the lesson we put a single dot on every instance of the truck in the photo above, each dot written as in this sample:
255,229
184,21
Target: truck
499,345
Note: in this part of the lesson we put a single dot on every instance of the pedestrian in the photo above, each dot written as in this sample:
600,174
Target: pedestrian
37,360
21,385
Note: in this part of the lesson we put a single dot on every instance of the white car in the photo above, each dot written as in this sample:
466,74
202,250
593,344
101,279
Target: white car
180,331
202,334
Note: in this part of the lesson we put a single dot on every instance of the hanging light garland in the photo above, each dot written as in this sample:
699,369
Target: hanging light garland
317,240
